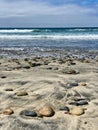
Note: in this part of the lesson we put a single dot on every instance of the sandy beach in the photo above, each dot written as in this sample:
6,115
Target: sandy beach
46,93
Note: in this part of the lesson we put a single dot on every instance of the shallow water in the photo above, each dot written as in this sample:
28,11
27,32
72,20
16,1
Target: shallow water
47,41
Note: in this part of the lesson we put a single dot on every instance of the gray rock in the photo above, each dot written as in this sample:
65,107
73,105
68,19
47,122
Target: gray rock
28,113
64,108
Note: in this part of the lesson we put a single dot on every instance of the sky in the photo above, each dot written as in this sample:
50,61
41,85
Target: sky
48,13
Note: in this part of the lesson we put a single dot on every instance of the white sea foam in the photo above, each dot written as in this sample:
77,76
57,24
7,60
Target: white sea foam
11,48
15,30
52,37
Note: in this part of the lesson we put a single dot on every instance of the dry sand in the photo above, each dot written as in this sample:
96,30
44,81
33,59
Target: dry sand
47,81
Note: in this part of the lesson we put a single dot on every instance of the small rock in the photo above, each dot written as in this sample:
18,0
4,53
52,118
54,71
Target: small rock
86,61
22,93
79,99
83,84
46,111
70,63
70,71
64,108
78,102
26,59
8,112
34,64
3,77
77,111
70,85
26,67
82,103
8,89
28,113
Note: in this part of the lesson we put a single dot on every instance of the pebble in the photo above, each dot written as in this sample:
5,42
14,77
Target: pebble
3,77
70,63
70,71
8,112
86,61
83,84
28,113
79,99
34,64
78,103
8,89
77,111
46,111
64,108
22,93
70,85
26,67
82,103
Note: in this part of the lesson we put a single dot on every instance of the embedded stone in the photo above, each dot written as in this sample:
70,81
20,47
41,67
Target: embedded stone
77,111
8,89
28,113
70,71
21,93
8,112
46,111
64,108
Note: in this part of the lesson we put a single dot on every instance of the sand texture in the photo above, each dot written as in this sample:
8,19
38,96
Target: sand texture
69,87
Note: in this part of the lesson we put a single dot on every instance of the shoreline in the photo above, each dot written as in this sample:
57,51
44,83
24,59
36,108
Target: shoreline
47,52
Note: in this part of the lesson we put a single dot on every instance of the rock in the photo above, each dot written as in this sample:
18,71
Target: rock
79,99
96,58
8,112
83,84
70,85
28,113
70,71
82,103
46,111
86,61
8,89
34,64
70,63
21,93
26,59
3,77
25,66
77,111
64,108
78,103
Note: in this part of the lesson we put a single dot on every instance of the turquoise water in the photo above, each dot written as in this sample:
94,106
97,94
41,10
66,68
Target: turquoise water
39,39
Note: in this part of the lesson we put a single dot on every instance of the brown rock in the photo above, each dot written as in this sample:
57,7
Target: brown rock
77,111
21,93
46,111
8,112
83,84
86,61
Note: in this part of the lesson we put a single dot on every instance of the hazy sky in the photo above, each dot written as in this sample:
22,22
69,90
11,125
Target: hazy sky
48,13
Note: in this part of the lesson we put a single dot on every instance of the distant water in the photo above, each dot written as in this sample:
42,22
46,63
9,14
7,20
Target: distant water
33,40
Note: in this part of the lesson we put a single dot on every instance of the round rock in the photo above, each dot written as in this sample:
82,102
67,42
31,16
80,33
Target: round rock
46,111
8,112
77,111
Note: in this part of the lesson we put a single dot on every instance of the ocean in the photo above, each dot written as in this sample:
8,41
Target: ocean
15,42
